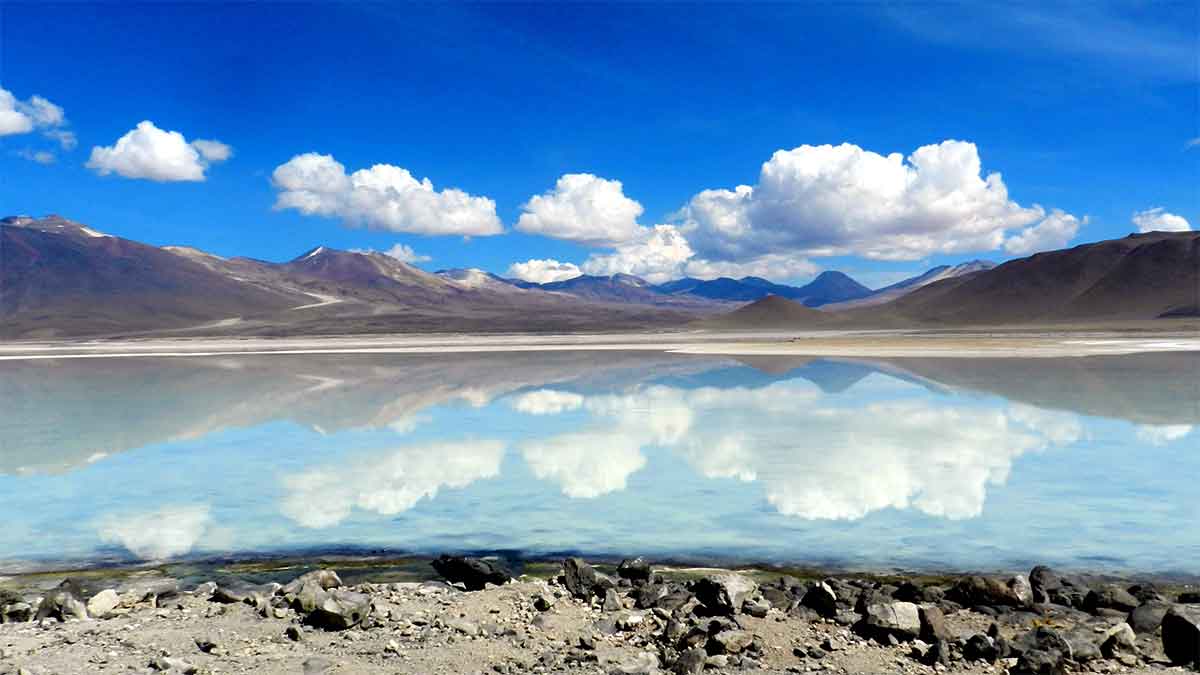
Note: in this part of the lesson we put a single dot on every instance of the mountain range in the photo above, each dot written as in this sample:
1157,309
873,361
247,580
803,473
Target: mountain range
59,278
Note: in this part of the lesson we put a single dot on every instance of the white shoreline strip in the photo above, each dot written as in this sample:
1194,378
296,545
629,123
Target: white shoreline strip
839,346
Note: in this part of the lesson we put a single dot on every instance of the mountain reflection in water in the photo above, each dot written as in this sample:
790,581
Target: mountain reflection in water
983,463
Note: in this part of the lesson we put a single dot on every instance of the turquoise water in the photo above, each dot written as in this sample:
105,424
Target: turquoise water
949,464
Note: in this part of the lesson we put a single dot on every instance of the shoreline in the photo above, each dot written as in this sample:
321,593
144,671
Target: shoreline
901,343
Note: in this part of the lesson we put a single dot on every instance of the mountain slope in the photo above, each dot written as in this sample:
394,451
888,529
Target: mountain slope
63,279
901,288
59,277
1142,276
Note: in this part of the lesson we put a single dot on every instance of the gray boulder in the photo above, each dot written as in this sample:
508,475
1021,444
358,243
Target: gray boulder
103,603
1148,616
326,579
933,625
729,642
340,610
900,620
1109,596
1181,635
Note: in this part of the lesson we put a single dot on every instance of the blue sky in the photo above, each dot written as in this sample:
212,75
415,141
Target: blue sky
1085,110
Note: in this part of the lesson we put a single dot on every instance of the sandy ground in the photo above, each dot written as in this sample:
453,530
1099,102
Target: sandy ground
824,343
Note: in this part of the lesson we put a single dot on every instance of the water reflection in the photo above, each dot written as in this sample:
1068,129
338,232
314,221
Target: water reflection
917,462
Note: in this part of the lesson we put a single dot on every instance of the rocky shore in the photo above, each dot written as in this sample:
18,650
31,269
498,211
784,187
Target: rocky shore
629,618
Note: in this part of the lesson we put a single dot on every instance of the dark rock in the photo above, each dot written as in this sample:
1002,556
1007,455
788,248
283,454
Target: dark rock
690,662
933,625
1110,596
868,597
63,603
909,591
1181,635
1083,643
473,573
1044,581
636,570
976,590
340,610
939,653
675,600
579,577
1120,643
648,595
542,602
1147,617
294,633
898,620
1043,651
756,607
1146,592
723,594
779,598
1189,598
980,647
821,598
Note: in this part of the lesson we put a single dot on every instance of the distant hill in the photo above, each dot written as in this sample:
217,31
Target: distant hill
828,287
769,313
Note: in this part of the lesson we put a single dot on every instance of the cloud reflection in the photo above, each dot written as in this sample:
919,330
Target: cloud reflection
166,533
814,460
326,495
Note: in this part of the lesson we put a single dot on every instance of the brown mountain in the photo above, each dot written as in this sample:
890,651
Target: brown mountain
1142,276
63,279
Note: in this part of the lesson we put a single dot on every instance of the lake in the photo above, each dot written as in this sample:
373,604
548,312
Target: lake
941,464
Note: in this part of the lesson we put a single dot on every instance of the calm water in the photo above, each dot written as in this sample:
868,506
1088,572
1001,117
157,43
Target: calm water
1089,463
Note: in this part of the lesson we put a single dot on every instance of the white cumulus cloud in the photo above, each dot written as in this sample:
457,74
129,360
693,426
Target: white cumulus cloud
1159,220
402,252
35,113
39,156
212,151
151,153
384,197
583,208
543,271
659,254
1053,232
844,200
